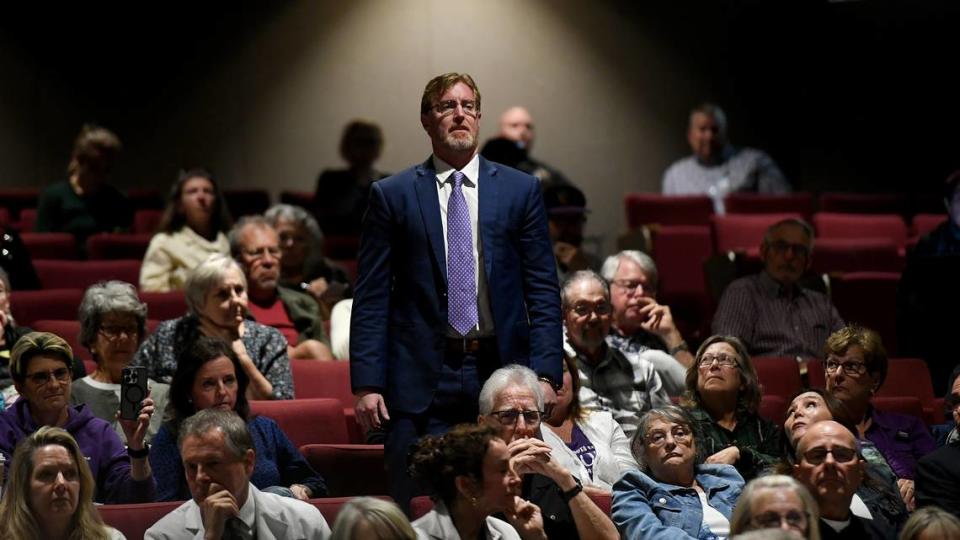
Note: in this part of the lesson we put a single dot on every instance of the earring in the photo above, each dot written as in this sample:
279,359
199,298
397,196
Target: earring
473,501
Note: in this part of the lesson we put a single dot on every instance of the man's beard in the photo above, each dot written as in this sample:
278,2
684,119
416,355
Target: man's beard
460,143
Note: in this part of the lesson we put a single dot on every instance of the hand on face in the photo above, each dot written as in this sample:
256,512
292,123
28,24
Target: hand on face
219,506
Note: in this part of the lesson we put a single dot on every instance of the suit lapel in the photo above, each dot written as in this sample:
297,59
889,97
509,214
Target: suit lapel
426,186
487,196
270,522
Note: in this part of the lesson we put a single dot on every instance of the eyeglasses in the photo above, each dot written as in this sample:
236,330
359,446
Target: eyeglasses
114,332
509,417
773,520
260,253
724,360
584,310
631,285
780,247
41,378
850,368
446,108
680,435
841,454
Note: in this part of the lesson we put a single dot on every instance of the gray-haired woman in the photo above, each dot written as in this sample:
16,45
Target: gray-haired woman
113,322
216,292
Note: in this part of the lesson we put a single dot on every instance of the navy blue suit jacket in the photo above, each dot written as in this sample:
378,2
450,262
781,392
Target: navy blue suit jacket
399,318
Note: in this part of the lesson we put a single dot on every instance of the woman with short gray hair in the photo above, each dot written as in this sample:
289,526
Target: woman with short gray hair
113,323
216,294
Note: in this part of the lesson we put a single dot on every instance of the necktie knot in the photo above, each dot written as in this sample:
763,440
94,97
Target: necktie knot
458,178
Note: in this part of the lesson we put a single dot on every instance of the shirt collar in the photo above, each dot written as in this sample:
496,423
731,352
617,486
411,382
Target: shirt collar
471,171
775,288
248,512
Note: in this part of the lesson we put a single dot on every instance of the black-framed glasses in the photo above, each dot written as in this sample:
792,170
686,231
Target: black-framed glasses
850,368
841,454
41,378
773,520
509,417
780,247
725,360
599,309
448,107
680,434
112,332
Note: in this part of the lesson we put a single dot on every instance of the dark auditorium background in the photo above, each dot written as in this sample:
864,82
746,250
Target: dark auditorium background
845,95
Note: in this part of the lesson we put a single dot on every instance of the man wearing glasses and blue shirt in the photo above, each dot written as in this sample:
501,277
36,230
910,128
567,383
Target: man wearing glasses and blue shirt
770,311
456,278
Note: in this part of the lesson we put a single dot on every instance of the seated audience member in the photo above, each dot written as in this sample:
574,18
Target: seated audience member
609,380
468,469
770,312
938,473
193,227
9,334
511,402
367,518
209,376
591,443
341,195
85,203
256,246
828,464
928,289
219,458
302,264
947,432
931,523
216,294
878,496
671,495
776,502
113,322
50,491
641,325
40,365
716,168
723,398
856,367
516,124
566,217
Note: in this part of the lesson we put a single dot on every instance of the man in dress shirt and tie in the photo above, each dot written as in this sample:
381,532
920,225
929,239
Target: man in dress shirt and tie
456,279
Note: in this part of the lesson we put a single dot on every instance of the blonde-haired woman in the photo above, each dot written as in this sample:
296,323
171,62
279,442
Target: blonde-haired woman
50,492
776,502
367,518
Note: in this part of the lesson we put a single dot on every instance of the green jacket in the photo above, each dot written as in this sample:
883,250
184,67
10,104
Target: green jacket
305,314
757,438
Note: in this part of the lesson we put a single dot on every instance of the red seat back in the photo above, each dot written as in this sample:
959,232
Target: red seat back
779,375
925,223
766,203
869,299
16,199
774,408
838,255
816,377
313,379
306,421
655,208
31,306
900,404
50,245
864,203
680,252
859,226
118,246
910,377
146,221
743,232
28,220
349,469
164,305
82,274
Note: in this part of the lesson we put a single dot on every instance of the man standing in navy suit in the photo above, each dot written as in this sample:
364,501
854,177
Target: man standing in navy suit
457,278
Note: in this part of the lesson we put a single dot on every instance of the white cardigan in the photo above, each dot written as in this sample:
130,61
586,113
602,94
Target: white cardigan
613,450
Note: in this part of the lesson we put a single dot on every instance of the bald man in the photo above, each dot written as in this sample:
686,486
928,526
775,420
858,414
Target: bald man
516,124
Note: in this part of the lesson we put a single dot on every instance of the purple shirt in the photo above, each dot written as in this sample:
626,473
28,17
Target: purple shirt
902,439
583,448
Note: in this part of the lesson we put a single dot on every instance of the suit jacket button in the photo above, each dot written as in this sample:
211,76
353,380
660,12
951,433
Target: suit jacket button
663,501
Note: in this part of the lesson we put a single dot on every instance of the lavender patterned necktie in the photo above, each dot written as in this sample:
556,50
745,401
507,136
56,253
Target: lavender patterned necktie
461,282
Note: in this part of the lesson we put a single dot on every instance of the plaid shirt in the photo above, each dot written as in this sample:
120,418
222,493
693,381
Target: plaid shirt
758,440
623,387
772,321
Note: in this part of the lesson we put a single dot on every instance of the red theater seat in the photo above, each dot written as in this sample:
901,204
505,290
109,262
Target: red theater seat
900,404
31,306
117,246
839,255
860,226
680,252
923,224
743,232
774,408
816,377
49,245
17,199
779,376
869,299
864,203
28,220
82,274
313,379
764,203
349,469
306,421
5,218
655,208
910,377
164,306
146,221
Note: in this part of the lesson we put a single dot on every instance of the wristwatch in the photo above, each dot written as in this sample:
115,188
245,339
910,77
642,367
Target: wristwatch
568,495
142,453
556,387
682,346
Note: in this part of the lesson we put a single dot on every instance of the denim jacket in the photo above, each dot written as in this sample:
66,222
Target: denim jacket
645,508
